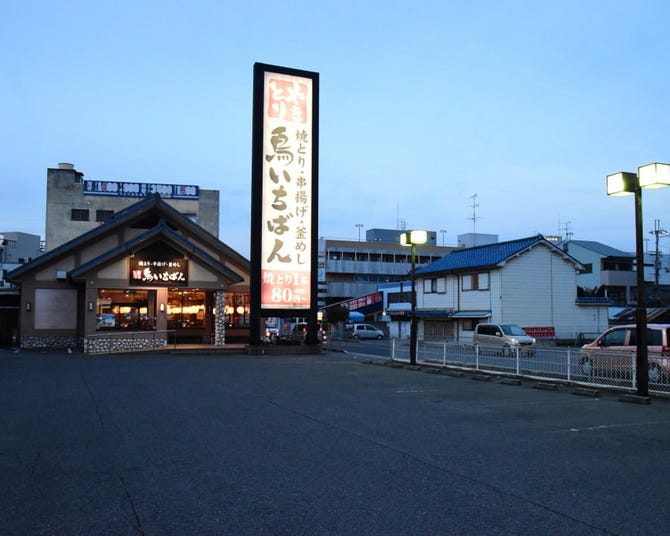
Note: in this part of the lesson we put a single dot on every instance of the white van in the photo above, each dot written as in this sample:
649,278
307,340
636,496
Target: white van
505,337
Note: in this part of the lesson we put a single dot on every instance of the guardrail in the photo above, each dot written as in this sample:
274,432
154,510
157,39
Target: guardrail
600,368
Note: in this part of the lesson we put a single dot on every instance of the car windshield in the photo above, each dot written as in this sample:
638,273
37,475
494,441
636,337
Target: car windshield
512,329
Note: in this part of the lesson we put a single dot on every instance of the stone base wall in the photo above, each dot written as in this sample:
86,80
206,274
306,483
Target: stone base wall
110,345
48,343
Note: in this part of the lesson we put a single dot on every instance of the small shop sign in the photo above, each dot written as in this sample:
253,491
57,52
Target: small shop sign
173,273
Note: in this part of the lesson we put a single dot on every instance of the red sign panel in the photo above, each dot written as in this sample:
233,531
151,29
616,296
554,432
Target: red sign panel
546,331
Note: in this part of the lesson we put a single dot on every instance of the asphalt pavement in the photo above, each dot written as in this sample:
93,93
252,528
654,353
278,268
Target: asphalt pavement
325,444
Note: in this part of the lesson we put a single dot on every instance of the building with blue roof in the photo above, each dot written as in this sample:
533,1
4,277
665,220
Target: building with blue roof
528,281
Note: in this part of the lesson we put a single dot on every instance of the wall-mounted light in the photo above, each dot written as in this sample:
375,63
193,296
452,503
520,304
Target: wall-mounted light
162,307
28,306
90,306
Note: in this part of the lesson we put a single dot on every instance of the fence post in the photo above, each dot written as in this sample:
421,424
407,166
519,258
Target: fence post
518,368
568,370
634,369
476,357
444,353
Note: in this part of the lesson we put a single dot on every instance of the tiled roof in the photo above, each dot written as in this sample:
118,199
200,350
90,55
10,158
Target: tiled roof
481,256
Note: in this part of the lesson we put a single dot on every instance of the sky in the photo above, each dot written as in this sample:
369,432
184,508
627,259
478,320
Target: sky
526,104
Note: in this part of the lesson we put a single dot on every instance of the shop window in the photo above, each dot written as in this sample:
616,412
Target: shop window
237,310
124,309
79,214
186,309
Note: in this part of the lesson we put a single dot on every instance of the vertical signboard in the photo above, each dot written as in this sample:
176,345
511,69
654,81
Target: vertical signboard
284,209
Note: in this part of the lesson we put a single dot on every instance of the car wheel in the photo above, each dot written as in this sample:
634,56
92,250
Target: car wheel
380,337
506,351
655,373
586,365
357,336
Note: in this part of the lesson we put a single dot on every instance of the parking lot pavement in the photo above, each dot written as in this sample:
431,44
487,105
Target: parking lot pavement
161,444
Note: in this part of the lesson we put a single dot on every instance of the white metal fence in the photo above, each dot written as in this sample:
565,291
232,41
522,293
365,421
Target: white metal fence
601,368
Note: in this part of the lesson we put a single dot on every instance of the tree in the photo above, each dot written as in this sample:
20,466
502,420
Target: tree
337,313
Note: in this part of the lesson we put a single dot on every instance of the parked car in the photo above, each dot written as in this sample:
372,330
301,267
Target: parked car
506,338
299,333
613,352
365,331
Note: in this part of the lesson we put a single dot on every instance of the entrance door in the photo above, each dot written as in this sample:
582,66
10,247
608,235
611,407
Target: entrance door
187,315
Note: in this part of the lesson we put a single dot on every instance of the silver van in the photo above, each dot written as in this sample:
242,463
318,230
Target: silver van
507,338
364,331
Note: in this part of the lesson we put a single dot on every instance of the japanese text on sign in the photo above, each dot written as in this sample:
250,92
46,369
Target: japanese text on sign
159,272
287,192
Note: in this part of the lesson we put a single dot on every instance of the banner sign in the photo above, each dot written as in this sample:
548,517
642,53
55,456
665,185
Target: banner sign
543,331
287,194
166,273
363,301
140,189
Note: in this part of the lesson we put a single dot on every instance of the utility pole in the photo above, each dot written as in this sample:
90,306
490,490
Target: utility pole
658,233
474,217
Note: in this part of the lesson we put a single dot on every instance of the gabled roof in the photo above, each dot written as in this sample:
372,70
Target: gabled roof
167,219
161,231
488,255
600,248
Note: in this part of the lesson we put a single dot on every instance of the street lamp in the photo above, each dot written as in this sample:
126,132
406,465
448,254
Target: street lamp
413,239
625,183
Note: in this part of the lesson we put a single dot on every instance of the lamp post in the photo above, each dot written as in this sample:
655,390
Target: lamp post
413,239
625,183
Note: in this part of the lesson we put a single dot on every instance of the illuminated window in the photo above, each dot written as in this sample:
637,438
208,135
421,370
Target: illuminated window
123,309
186,309
236,310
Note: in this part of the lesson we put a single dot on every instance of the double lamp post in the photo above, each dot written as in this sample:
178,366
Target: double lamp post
625,183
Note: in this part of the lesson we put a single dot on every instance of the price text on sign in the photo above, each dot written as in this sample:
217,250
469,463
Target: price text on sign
286,289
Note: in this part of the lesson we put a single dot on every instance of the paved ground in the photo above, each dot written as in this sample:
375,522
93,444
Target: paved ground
316,445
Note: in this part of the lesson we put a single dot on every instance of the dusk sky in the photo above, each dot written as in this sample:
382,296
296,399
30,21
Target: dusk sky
527,104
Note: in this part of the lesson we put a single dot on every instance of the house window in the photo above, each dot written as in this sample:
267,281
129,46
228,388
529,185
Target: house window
468,324
103,215
478,281
588,269
429,285
79,214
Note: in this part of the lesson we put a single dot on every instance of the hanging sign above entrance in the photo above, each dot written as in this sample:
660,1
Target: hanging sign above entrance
166,273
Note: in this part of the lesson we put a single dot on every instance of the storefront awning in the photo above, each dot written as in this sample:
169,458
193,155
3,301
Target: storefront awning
434,313
471,314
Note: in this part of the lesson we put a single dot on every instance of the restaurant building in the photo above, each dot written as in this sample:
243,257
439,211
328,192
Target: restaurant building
147,277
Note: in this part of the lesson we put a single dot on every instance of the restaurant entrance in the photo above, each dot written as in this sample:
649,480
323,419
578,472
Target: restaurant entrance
189,314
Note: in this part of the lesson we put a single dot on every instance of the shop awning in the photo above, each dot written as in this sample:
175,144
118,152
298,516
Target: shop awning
471,314
434,313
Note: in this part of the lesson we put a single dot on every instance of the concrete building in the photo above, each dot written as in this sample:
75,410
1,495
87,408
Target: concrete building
16,249
76,205
606,268
350,269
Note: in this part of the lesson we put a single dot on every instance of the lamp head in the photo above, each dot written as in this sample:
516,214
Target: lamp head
622,183
654,175
416,237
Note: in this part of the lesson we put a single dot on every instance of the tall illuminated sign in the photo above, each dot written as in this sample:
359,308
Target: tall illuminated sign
284,210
